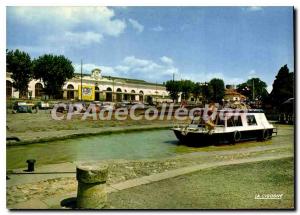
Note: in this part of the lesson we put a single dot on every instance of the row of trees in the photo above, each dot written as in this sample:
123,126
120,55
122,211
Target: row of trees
55,70
253,89
51,69
213,90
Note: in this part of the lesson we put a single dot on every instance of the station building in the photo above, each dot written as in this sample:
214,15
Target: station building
96,87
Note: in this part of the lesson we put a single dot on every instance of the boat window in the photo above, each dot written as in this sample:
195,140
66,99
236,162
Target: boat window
234,121
220,122
196,120
251,120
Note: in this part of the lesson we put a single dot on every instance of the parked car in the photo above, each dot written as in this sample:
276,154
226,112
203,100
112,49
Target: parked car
23,107
43,105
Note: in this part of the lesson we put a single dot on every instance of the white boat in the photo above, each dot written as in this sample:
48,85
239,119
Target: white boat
226,126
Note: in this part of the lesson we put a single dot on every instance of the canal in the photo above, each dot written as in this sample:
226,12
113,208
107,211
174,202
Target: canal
138,145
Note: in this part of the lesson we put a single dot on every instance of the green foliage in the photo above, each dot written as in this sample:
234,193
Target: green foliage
217,88
206,92
283,86
174,88
54,71
260,89
214,90
19,64
186,87
197,89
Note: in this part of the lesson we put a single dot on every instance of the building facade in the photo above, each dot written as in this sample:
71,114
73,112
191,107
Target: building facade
102,88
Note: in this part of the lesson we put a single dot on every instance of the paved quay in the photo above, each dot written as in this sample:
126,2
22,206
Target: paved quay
54,202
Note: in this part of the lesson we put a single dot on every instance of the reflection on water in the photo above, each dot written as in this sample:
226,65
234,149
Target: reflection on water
148,144
138,145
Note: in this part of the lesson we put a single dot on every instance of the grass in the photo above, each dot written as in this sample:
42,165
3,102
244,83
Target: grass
228,187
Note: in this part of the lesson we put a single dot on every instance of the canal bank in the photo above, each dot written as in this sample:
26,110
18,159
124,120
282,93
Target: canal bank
63,135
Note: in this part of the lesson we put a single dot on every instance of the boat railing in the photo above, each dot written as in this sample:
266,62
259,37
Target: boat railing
179,124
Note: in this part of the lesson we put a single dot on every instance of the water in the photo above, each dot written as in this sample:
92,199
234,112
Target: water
138,145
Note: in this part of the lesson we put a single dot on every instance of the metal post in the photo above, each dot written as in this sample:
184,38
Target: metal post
81,82
253,89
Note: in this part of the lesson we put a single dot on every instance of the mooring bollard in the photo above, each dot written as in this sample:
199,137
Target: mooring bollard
30,165
91,193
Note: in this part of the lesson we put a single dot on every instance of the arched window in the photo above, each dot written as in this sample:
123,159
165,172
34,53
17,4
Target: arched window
70,91
38,89
108,94
8,89
125,96
97,93
119,95
141,96
70,87
132,97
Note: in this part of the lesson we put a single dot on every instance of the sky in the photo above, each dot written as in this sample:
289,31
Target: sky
153,43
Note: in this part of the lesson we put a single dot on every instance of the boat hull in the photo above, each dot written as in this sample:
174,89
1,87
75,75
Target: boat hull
204,139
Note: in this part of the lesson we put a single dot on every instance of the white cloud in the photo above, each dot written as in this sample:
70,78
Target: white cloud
254,8
132,61
136,25
166,60
252,74
121,68
76,38
101,19
86,68
133,67
68,26
157,28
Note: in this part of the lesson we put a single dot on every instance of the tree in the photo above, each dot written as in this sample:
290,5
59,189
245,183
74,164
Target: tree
206,92
19,64
244,89
197,90
54,71
217,88
186,87
283,86
260,89
173,87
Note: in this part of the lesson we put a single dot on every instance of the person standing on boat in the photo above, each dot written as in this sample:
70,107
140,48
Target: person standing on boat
209,122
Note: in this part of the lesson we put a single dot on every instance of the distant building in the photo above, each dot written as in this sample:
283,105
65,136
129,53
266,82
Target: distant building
231,95
99,88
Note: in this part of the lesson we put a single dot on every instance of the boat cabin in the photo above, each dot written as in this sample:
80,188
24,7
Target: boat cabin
231,125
